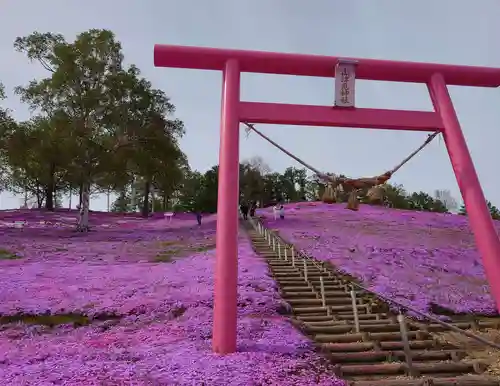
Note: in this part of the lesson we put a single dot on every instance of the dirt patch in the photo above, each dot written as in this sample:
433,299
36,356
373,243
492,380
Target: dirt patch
8,255
52,320
477,350
440,310
168,255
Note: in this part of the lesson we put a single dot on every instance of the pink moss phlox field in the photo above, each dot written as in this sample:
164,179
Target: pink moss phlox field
44,236
420,259
162,333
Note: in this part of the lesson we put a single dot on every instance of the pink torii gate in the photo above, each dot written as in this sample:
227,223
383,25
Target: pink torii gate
233,62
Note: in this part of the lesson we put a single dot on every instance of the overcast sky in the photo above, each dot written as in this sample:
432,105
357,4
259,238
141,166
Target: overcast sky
444,31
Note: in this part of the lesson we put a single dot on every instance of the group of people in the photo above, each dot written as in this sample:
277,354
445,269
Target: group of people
246,208
279,209
250,208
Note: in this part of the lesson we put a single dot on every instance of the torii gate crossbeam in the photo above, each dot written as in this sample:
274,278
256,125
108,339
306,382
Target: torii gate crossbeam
233,62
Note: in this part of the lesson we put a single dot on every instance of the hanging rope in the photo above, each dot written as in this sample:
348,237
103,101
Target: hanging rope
251,127
429,139
354,183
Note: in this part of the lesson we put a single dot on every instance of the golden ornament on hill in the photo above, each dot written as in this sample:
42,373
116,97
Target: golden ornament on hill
353,202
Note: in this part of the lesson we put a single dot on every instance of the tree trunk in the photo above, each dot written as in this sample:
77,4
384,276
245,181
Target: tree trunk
70,194
145,198
133,195
80,195
83,220
39,197
153,199
50,189
49,198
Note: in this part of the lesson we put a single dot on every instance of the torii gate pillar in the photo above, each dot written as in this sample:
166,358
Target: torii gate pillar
226,265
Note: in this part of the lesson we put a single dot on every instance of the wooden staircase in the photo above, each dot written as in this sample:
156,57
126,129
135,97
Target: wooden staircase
367,344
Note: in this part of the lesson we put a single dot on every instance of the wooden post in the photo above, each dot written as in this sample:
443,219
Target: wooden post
406,344
355,310
322,288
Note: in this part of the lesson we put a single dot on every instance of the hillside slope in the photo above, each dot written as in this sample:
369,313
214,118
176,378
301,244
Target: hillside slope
131,303
426,260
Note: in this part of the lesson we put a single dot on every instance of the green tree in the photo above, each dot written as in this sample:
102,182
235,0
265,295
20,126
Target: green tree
149,136
210,190
425,202
40,168
122,202
194,193
7,126
420,201
273,189
396,196
251,183
301,182
495,213
168,182
287,183
81,75
314,188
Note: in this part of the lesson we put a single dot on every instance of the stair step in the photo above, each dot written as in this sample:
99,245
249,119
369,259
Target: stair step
350,317
312,276
290,270
421,368
280,262
370,336
349,328
395,356
435,327
424,344
346,308
286,284
305,294
318,302
382,322
467,380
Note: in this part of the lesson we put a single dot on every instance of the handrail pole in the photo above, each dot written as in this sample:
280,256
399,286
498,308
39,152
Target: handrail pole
322,288
355,311
406,344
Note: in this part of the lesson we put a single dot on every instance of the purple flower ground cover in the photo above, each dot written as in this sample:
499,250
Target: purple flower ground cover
160,332
425,260
37,236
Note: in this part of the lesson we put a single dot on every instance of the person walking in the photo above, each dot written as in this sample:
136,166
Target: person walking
244,211
253,207
282,211
198,218
276,209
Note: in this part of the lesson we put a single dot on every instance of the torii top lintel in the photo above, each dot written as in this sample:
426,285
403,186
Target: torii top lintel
203,58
